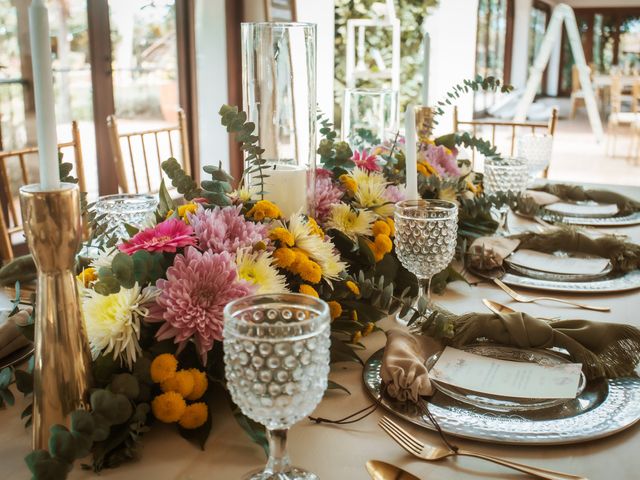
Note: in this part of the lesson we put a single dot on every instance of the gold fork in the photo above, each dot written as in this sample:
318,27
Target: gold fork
431,453
518,297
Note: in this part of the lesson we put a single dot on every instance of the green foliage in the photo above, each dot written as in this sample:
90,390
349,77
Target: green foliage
236,122
65,172
185,185
142,267
334,156
214,191
486,84
411,14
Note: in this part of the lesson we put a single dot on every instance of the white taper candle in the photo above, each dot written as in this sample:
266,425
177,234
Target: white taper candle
410,148
44,97
426,48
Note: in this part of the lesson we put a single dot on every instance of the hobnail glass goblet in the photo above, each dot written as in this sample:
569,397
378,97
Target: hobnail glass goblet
504,175
114,211
426,238
276,356
536,149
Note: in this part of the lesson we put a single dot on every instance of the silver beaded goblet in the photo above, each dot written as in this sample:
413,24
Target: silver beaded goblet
504,175
426,237
276,356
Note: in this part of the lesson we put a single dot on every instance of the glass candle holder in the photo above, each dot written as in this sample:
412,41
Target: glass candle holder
536,149
114,211
369,116
279,96
505,175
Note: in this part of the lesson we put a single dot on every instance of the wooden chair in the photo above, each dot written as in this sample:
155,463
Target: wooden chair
618,118
634,145
577,96
550,126
11,223
117,139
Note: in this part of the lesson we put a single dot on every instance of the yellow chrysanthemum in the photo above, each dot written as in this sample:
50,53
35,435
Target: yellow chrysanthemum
356,337
308,290
87,276
370,194
422,170
472,187
284,257
258,268
428,168
368,329
113,321
194,416
448,193
244,195
264,209
168,407
353,287
349,183
381,227
383,243
181,382
351,222
200,384
315,228
310,271
183,210
283,235
335,309
164,366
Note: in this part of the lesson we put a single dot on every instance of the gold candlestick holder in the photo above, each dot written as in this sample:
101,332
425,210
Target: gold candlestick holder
62,360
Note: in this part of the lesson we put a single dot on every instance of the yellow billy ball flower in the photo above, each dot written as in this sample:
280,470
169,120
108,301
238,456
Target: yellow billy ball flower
422,170
349,183
381,227
308,290
87,276
163,367
310,271
377,253
194,416
200,384
335,309
284,257
356,337
392,227
168,407
368,329
283,235
383,243
264,209
182,383
353,287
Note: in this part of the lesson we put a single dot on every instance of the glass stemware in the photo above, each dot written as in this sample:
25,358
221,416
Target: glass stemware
276,355
114,211
536,149
426,238
503,175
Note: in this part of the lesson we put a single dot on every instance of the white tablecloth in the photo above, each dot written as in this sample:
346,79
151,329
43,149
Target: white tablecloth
340,452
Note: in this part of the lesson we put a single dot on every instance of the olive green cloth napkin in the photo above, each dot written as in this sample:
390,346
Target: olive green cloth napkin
403,368
11,339
604,349
575,193
487,253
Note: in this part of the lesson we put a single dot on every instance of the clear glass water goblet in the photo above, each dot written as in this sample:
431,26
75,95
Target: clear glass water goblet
425,241
536,149
505,175
276,356
114,211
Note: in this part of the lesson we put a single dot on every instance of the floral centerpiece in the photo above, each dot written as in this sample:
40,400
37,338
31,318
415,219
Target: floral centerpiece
153,303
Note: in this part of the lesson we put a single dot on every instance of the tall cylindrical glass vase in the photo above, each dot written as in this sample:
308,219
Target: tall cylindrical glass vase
279,96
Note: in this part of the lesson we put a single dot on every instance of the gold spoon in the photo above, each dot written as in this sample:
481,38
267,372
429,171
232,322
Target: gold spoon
385,471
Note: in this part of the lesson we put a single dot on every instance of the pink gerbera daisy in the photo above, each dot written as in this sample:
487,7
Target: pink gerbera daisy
166,236
365,161
192,298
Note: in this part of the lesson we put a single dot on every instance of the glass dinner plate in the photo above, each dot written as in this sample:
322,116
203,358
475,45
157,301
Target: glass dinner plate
499,403
557,276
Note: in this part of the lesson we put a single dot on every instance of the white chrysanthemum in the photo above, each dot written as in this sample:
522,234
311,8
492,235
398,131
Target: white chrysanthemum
113,321
317,248
258,268
245,194
370,192
351,222
103,258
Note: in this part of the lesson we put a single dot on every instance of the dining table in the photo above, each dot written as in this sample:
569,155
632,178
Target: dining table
337,452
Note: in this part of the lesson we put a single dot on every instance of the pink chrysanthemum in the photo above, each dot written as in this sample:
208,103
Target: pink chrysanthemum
365,161
166,236
442,159
225,229
193,296
327,194
394,194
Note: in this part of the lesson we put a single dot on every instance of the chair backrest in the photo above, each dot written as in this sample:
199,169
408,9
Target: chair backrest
139,149
616,93
635,95
10,220
550,126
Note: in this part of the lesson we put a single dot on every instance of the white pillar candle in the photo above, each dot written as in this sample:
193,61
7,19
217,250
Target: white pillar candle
286,186
426,47
44,97
410,148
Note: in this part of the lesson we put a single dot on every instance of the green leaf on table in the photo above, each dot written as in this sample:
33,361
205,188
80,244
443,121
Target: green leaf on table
24,381
255,430
5,377
331,385
341,352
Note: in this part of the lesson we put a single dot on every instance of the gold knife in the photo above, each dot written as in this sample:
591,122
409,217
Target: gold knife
385,471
